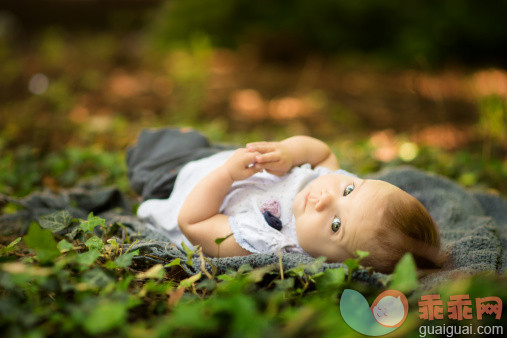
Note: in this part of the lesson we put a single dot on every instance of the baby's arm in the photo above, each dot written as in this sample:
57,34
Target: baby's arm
279,157
199,218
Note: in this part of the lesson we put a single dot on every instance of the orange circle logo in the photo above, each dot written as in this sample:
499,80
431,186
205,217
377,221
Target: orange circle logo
390,308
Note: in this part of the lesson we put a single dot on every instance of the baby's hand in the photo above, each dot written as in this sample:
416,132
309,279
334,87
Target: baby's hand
241,164
274,157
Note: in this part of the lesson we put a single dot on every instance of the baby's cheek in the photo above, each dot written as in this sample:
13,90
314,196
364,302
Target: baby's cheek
304,234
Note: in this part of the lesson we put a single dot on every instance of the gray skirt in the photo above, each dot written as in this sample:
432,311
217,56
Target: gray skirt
153,163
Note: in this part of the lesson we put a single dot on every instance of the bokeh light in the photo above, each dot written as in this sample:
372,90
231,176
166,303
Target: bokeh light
38,84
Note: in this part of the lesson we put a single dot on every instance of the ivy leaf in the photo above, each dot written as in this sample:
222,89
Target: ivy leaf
9,248
110,265
94,243
298,271
126,259
155,272
405,275
105,316
64,246
189,253
56,221
257,274
113,243
92,222
176,261
75,233
97,278
186,283
86,259
208,284
316,265
331,279
284,284
219,240
352,265
42,241
361,254
123,283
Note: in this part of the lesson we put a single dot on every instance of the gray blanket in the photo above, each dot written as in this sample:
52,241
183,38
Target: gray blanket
472,224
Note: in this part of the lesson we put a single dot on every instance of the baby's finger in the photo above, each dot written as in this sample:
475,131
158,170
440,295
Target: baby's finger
262,147
268,158
250,158
276,172
255,170
269,165
270,169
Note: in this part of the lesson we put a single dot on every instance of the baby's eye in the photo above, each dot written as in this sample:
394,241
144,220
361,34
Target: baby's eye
335,225
348,189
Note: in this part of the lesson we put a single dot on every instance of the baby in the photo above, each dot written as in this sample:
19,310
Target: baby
292,196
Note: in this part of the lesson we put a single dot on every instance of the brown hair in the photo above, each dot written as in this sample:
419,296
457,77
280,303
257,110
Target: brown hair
406,227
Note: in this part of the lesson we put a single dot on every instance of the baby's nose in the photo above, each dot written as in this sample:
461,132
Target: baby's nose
325,199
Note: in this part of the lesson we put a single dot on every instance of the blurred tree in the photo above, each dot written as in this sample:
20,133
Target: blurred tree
418,32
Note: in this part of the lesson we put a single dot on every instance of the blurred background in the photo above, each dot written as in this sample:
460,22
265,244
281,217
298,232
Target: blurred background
385,83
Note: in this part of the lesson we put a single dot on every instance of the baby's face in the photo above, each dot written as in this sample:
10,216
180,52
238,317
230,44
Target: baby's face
335,214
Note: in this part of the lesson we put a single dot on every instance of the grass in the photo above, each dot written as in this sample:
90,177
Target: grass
85,285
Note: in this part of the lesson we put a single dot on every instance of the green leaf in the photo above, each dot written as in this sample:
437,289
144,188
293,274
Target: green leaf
186,283
352,265
56,221
285,284
87,258
92,222
244,268
331,279
113,242
155,272
208,284
297,271
155,286
110,265
123,283
42,241
9,248
316,265
405,275
97,278
257,274
126,259
94,243
75,233
64,246
361,254
189,253
13,243
105,317
176,261
219,241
